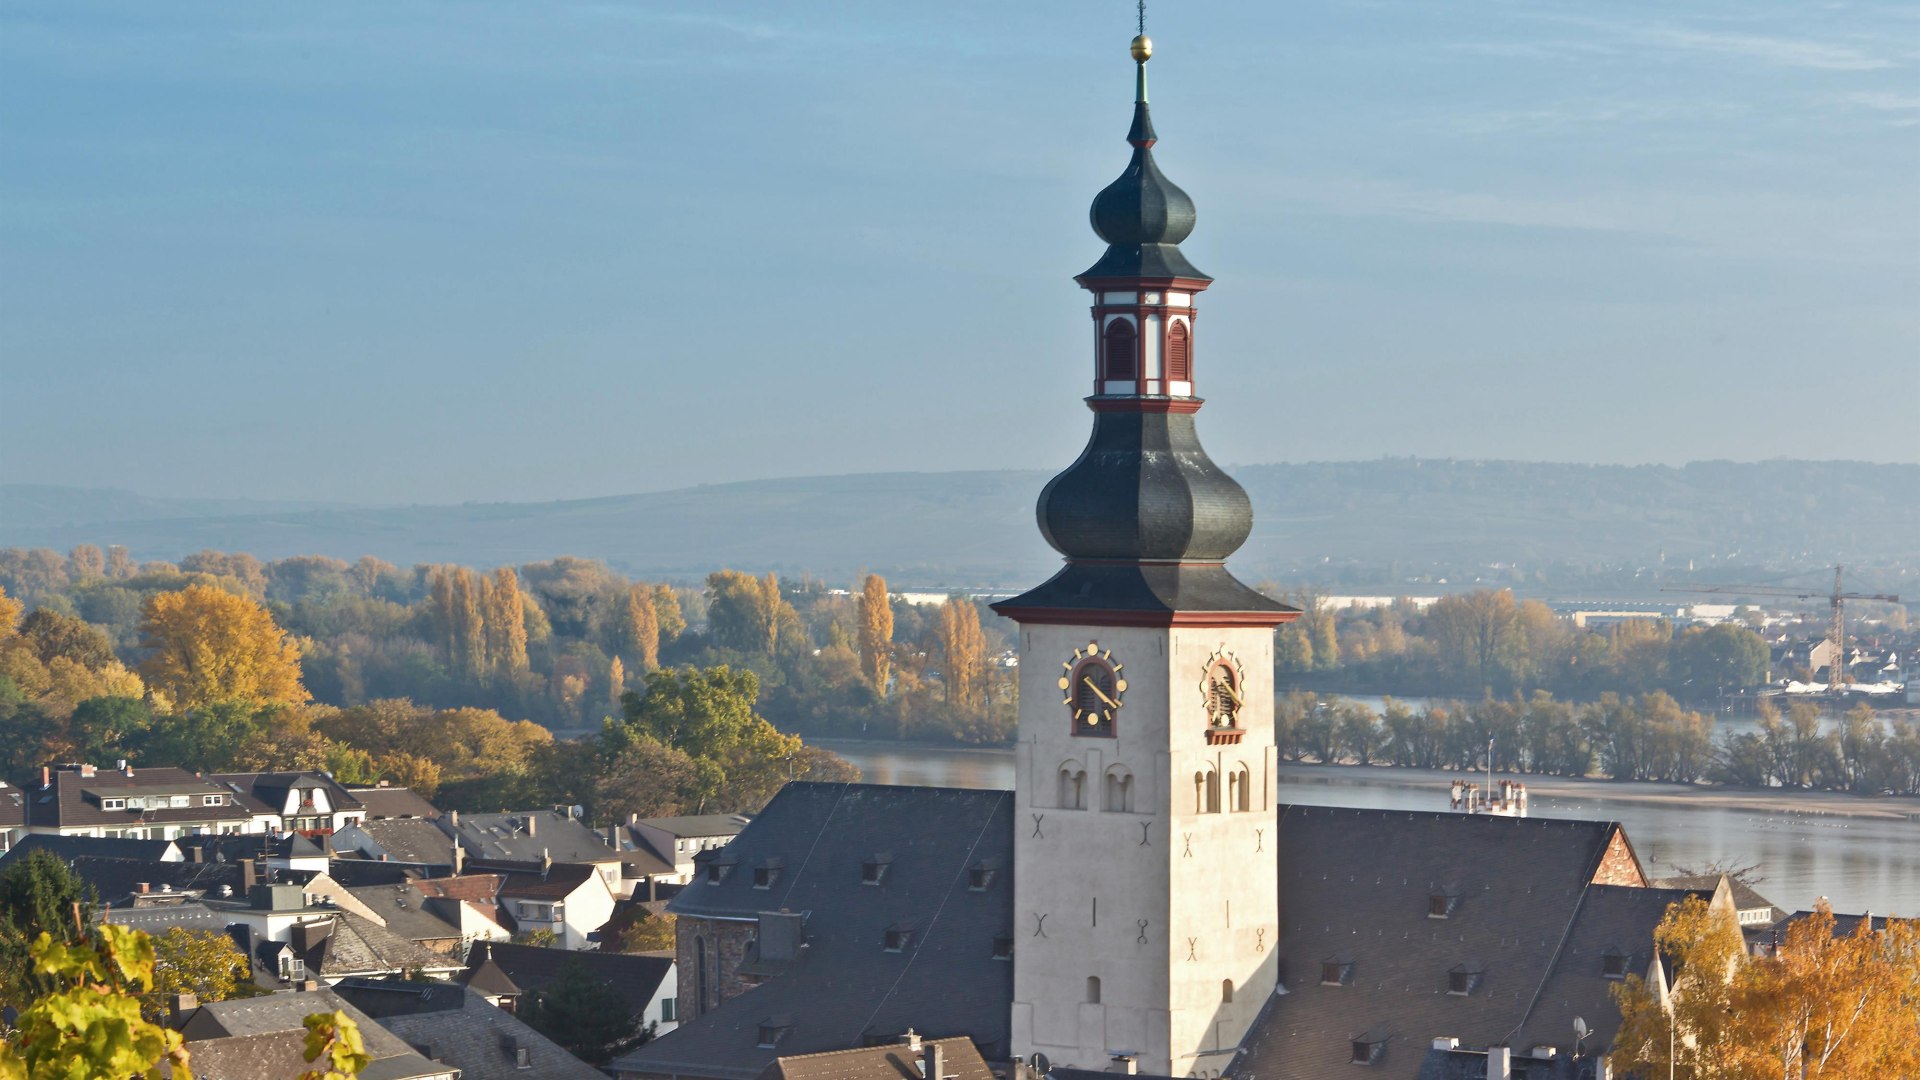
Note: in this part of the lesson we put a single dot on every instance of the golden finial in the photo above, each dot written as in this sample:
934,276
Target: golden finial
1142,48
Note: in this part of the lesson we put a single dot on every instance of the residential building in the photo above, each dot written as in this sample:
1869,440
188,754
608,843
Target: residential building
248,1038
13,815
458,1028
909,1058
382,801
430,918
296,802
161,803
296,939
423,843
679,839
507,973
533,836
571,901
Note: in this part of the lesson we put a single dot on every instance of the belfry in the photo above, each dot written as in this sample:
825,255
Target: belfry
1145,902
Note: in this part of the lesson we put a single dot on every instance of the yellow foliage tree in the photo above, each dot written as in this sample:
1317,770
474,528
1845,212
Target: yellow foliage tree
506,624
642,629
965,649
876,633
209,645
10,610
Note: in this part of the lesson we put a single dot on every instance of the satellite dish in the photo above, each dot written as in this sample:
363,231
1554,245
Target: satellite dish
1040,1063
1580,1030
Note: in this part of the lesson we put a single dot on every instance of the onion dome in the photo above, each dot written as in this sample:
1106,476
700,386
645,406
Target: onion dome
1145,490
1142,216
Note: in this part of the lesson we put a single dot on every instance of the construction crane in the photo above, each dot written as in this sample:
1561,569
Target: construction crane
1837,667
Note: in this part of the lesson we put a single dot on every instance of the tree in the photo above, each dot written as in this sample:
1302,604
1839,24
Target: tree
1293,649
106,728
651,933
209,645
965,650
582,1012
1707,659
876,633
747,613
9,614
506,624
636,774
666,607
88,1022
709,716
204,963
616,681
38,893
642,630
1474,631
1700,945
55,636
86,561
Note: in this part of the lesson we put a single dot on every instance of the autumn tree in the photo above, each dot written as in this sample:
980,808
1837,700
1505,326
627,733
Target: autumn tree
876,633
740,759
641,627
1474,631
616,681
1685,1004
209,645
506,625
666,605
9,614
204,963
86,561
748,613
965,650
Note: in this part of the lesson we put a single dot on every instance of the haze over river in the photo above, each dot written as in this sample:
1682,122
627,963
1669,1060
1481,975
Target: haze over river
1862,853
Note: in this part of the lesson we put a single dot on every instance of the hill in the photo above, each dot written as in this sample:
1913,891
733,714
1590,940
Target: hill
1345,524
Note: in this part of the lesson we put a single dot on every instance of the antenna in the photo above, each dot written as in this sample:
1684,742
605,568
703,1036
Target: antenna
1143,17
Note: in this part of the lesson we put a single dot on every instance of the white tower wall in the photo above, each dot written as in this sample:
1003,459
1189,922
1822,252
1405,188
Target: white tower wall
1161,924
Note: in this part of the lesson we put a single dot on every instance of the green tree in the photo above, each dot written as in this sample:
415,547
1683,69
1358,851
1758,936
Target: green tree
106,728
204,963
86,1024
55,635
38,894
583,1013
1708,659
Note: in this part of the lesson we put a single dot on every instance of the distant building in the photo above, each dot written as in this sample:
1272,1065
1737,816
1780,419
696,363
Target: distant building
296,802
507,973
456,1026
161,803
908,1058
248,1038
383,801
679,839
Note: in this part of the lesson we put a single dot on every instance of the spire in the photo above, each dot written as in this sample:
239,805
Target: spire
1142,216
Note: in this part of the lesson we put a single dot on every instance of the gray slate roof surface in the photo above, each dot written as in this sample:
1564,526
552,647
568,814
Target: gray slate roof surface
359,946
1357,883
283,1054
411,840
700,824
459,1027
285,1012
961,1060
117,881
845,988
73,800
505,837
1611,917
1745,897
530,968
109,847
394,802
405,911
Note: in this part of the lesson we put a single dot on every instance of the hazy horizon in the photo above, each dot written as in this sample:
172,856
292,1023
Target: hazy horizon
489,252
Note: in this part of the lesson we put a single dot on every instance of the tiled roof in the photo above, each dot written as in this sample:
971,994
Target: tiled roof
456,1025
700,824
406,912
394,802
358,946
529,836
844,989
13,806
410,840
555,883
108,847
270,788
530,968
960,1060
480,888
72,799
1357,884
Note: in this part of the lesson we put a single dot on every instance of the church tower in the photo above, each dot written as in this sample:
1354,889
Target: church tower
1145,890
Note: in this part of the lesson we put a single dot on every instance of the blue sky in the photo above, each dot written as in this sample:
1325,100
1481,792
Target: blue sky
429,252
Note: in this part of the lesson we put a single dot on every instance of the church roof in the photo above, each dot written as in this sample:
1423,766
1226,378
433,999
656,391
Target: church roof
842,987
1142,215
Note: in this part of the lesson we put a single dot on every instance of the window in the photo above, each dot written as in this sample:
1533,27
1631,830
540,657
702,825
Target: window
666,1010
1368,1050
772,1031
1179,369
1093,989
178,801
113,804
979,876
213,800
874,870
137,802
1003,948
1439,906
1210,780
1119,790
700,975
717,871
767,873
1226,991
1120,351
1613,964
1336,971
1463,979
896,939
1200,792
1240,789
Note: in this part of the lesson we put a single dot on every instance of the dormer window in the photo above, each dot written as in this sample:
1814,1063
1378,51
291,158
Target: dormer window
897,938
1336,970
979,876
136,802
1003,948
767,873
1442,902
717,870
874,870
773,1029
1613,964
113,804
213,800
1368,1048
1464,979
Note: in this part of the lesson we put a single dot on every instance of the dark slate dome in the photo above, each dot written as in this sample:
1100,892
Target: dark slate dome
1142,216
1144,489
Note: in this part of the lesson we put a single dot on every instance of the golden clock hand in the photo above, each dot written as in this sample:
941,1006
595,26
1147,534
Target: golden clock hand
1238,701
1102,694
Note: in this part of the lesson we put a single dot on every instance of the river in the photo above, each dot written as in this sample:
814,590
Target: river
1864,854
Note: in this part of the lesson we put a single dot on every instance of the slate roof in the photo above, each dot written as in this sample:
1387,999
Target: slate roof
270,789
529,968
1611,919
253,1023
1357,885
71,799
355,870
407,912
359,946
108,847
13,806
411,840
458,1026
507,837
117,881
960,1060
381,803
843,988
283,1053
1745,897
159,918
700,824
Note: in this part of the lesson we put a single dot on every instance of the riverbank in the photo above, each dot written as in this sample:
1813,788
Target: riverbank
1698,796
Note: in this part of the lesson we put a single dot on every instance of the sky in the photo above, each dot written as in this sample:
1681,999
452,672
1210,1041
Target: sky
410,251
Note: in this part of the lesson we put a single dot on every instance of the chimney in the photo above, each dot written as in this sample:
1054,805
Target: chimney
1602,1070
1126,1065
87,772
1499,1063
382,783
196,853
143,887
633,818
653,889
546,862
179,1005
936,1060
453,818
247,877
46,777
459,859
913,1041
613,837
529,824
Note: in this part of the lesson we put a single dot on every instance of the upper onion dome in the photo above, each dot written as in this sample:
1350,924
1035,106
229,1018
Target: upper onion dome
1142,216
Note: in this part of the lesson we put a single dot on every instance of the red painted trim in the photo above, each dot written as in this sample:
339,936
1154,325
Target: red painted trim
1084,617
1159,404
1104,284
1224,736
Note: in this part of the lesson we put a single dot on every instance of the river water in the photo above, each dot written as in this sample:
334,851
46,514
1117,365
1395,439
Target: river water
1862,863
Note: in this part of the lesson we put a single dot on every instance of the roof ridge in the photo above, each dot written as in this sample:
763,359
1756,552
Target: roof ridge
877,1046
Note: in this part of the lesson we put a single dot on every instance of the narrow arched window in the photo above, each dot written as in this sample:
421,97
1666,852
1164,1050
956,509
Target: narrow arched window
700,975
1120,351
1093,989
1213,792
1199,793
1226,991
1179,367
1242,789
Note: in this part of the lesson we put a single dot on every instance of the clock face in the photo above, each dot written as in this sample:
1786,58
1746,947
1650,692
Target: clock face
1223,689
1092,689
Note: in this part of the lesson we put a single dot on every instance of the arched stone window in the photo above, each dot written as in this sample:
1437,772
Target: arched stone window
1179,364
1120,351
1073,787
1213,791
1200,792
1119,790
1093,989
1226,991
1240,788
